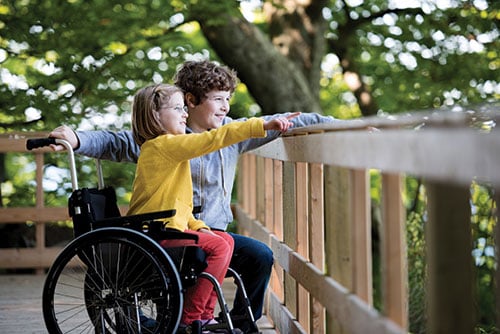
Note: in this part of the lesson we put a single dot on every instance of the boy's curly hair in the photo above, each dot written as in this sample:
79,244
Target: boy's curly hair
201,77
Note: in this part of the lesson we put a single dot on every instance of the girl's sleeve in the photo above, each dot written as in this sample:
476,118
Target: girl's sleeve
304,119
189,146
196,224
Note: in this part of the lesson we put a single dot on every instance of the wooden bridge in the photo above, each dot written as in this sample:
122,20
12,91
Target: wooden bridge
307,195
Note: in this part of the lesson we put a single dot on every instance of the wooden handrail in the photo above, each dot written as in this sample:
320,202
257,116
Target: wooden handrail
40,256
311,205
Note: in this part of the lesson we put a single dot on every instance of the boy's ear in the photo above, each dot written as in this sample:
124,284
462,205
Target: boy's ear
191,100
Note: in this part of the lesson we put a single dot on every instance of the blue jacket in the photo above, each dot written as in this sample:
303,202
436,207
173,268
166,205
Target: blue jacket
212,174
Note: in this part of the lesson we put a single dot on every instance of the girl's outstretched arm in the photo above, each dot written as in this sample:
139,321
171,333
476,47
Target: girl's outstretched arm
281,124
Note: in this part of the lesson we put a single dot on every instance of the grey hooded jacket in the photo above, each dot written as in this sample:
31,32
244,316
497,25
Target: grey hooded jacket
212,174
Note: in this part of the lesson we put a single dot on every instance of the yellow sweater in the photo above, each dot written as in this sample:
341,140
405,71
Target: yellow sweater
163,175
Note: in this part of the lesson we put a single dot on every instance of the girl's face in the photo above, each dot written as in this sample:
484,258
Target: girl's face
173,115
210,112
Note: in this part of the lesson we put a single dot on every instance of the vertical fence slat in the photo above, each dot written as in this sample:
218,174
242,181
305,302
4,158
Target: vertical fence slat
338,231
449,245
268,194
394,264
39,204
361,234
243,176
317,237
290,231
251,185
277,277
302,225
260,199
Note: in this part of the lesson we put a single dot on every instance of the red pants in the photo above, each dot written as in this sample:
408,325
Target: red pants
200,299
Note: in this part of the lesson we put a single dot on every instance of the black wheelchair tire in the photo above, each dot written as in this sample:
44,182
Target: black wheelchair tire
106,279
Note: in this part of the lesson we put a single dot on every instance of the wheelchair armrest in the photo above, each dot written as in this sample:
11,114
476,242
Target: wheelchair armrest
150,216
136,222
145,222
170,233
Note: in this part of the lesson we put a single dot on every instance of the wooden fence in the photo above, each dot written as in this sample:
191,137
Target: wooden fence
307,196
39,257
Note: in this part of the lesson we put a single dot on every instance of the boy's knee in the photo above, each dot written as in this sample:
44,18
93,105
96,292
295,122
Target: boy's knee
263,258
268,258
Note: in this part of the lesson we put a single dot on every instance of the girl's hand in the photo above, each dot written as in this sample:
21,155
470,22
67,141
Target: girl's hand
281,124
204,230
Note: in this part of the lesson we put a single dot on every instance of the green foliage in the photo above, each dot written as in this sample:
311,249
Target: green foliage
414,201
422,58
80,58
483,226
79,62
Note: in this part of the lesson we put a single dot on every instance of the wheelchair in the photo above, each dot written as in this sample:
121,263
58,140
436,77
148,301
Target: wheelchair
114,277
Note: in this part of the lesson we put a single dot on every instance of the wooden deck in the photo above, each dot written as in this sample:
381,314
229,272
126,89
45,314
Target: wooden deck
21,305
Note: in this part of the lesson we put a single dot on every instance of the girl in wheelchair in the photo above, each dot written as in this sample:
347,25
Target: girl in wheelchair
163,180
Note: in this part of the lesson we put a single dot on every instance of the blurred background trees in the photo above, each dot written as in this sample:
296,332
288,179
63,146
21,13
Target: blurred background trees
73,60
79,62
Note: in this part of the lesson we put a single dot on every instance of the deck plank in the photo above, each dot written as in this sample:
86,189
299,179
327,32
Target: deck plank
21,305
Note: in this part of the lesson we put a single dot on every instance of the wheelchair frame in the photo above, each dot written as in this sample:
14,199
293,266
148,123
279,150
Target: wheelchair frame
114,277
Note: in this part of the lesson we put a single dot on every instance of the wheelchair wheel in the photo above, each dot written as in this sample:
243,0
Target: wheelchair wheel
112,280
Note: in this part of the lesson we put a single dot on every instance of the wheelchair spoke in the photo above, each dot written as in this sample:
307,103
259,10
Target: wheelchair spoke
104,283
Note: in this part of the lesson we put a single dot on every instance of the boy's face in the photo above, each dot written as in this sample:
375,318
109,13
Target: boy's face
210,113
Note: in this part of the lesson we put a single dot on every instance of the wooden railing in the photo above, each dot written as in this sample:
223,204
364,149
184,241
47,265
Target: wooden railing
39,257
307,196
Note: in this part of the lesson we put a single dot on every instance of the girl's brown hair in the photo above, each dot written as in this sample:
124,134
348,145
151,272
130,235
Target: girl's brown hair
148,100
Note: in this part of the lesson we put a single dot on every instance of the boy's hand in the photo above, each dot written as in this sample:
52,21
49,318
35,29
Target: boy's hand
281,124
66,133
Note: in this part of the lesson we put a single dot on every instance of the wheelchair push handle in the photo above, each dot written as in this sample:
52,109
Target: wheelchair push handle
47,141
39,142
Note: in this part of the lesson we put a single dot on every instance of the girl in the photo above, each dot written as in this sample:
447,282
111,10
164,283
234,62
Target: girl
163,179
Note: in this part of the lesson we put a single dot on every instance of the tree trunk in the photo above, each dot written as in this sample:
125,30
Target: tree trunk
275,82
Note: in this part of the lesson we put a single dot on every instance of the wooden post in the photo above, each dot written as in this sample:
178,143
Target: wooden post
268,194
317,239
450,263
39,204
393,251
251,184
302,232
338,232
362,235
289,231
260,185
277,278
